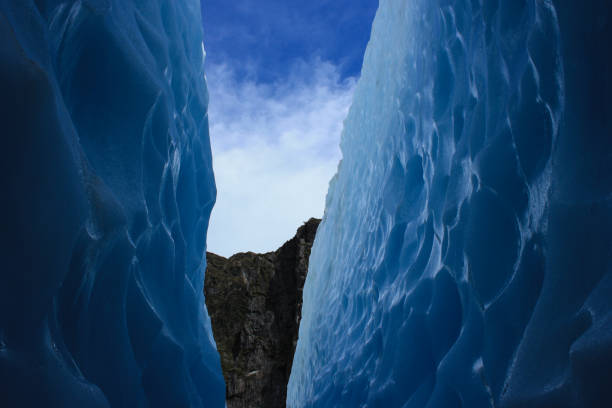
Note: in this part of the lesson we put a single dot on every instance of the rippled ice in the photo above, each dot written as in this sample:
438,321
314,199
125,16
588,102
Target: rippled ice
107,187
465,257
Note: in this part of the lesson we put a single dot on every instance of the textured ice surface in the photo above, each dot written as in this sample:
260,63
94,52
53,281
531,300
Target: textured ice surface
465,257
107,187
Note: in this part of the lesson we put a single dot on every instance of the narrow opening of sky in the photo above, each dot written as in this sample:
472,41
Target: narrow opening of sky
281,77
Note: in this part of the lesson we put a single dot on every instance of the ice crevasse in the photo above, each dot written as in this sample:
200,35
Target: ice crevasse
465,255
107,188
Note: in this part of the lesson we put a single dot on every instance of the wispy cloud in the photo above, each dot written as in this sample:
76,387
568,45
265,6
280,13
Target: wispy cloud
275,148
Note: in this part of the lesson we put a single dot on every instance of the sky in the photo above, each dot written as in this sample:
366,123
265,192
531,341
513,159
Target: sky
280,75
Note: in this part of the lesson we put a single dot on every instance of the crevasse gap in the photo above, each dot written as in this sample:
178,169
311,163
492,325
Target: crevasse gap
464,258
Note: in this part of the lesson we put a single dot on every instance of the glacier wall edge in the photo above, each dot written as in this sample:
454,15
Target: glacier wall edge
464,258
108,187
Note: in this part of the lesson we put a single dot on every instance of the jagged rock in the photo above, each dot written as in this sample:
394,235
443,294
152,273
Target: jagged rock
255,303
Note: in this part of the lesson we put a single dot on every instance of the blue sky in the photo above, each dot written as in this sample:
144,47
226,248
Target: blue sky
264,39
281,76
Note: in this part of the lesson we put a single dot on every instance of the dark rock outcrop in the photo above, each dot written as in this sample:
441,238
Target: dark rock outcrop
255,303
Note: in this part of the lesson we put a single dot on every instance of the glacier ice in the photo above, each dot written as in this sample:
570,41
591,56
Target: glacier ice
465,255
107,187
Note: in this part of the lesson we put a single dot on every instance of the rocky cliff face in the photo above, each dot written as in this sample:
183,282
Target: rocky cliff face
255,303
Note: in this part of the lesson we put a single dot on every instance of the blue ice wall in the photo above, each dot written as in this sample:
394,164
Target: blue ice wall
107,187
465,256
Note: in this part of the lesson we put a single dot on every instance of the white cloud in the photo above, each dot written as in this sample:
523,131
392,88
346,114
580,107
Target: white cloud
275,148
